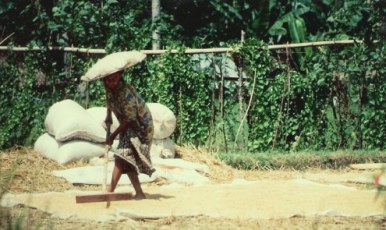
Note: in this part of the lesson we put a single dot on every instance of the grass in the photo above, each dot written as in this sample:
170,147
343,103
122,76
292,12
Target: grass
22,170
300,160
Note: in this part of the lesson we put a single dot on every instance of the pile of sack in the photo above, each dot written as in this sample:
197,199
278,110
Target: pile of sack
74,133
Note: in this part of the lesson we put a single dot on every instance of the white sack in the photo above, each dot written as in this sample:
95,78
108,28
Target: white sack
99,114
164,120
47,146
181,176
67,120
179,163
113,63
162,148
66,152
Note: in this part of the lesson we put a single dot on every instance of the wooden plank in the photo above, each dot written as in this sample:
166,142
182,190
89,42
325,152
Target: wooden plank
370,166
103,197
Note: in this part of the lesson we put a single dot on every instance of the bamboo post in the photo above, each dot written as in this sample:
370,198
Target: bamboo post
285,90
361,95
221,99
248,107
241,106
212,127
155,11
180,114
241,96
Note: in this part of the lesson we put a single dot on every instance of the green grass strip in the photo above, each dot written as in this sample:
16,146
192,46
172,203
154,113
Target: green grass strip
301,160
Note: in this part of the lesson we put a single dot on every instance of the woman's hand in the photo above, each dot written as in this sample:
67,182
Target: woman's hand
108,120
123,126
109,140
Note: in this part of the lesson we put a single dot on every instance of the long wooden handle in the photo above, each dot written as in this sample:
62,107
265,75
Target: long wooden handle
106,158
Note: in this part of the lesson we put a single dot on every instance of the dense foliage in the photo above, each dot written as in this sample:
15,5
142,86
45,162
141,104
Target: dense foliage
293,99
339,102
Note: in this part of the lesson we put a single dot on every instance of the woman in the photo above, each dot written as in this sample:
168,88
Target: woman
135,123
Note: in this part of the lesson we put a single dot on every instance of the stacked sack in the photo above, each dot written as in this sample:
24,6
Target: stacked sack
164,124
74,133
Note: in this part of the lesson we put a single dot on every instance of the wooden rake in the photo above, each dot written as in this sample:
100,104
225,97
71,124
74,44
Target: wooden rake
104,196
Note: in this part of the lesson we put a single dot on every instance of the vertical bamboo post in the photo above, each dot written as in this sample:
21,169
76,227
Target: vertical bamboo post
179,116
221,99
155,11
212,127
241,95
361,92
282,104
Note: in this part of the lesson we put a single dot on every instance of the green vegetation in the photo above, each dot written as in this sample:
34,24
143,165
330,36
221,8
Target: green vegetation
314,98
303,160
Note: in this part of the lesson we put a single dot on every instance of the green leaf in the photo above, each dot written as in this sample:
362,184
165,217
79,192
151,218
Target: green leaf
109,2
293,30
277,29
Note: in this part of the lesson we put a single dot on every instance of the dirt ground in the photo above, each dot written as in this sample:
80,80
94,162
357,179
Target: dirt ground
25,171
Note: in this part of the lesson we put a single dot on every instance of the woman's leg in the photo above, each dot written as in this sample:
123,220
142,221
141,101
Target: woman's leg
118,168
133,176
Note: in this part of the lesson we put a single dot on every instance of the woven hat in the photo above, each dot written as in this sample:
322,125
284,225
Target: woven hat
113,63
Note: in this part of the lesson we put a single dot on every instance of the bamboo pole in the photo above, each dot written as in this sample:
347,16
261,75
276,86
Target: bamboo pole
241,97
5,39
187,51
65,49
221,99
155,12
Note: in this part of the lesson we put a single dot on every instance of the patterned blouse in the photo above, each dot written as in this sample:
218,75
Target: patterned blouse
125,102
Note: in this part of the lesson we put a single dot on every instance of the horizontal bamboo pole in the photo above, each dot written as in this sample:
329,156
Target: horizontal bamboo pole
187,51
190,51
65,49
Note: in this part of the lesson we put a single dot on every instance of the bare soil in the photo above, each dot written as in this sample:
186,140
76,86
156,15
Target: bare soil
23,170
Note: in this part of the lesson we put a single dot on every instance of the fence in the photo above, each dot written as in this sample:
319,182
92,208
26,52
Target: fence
290,109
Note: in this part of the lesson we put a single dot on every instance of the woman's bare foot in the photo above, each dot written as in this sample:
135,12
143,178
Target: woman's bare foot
139,196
